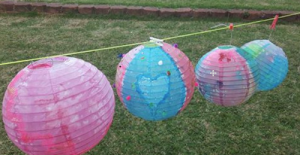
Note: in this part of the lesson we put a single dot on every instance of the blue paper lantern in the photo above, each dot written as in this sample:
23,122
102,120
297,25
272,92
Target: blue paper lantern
272,63
155,82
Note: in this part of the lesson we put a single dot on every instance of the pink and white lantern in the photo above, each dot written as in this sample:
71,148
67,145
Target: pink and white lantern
58,106
226,76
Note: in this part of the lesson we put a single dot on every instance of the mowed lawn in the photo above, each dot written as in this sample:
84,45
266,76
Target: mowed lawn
222,4
268,123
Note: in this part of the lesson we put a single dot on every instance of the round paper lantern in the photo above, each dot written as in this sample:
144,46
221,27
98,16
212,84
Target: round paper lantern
56,106
155,82
225,76
272,63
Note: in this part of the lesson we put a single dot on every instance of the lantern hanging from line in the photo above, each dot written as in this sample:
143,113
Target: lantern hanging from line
225,76
272,63
61,105
155,81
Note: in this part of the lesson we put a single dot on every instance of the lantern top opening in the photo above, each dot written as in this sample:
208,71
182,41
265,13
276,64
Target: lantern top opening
150,45
47,63
225,47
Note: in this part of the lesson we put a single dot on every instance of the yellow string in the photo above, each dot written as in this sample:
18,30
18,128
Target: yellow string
74,53
225,28
134,44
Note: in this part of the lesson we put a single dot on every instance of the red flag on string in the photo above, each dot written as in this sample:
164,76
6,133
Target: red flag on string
274,23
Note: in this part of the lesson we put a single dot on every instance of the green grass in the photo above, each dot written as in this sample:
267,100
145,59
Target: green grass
268,123
221,4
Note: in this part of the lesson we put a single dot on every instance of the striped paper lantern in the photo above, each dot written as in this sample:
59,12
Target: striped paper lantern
155,82
56,106
225,76
272,63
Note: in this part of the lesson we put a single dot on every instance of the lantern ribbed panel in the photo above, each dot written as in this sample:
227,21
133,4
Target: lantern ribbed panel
60,106
272,63
155,82
225,77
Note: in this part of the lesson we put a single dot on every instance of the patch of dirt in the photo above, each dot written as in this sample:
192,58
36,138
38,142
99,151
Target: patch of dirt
76,23
8,21
44,22
264,4
252,106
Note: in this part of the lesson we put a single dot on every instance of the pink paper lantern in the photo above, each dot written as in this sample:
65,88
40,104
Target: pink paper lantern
58,106
225,76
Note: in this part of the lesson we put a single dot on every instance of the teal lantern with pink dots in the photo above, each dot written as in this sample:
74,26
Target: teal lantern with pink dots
272,63
155,81
226,76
